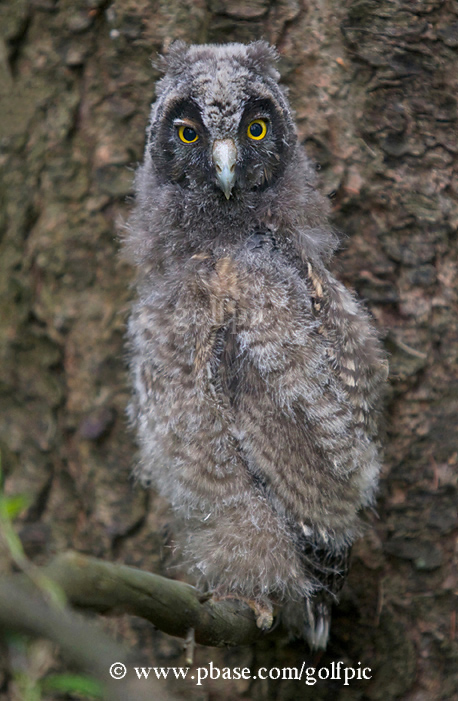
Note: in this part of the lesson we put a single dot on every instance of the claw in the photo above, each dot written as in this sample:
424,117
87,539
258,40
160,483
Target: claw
264,615
263,610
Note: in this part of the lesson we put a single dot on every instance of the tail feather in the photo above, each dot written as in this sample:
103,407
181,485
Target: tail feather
317,624
327,569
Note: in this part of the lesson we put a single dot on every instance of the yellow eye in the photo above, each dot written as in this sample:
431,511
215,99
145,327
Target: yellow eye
257,129
187,134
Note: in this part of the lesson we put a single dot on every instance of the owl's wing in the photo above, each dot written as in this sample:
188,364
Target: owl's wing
301,368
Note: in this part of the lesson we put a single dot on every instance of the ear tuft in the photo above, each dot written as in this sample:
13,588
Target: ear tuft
263,57
174,58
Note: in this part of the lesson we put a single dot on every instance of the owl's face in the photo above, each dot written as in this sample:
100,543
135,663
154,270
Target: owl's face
221,123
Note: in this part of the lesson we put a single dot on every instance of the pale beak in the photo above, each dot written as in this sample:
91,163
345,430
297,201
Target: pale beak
224,155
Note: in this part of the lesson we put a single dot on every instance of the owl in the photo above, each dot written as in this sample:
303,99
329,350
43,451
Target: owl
256,375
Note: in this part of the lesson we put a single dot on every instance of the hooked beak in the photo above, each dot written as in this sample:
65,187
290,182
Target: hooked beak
224,156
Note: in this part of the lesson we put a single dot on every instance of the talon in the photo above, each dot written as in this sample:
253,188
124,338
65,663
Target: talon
263,610
264,617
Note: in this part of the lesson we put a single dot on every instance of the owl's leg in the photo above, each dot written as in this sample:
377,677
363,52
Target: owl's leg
262,608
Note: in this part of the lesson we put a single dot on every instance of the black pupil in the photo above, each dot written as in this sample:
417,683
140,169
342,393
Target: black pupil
189,134
256,129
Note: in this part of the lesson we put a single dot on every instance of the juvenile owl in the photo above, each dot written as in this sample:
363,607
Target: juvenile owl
256,374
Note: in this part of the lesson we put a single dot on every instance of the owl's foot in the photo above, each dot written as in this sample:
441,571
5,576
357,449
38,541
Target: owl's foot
263,610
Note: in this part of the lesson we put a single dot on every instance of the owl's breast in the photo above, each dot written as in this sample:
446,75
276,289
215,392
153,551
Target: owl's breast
273,288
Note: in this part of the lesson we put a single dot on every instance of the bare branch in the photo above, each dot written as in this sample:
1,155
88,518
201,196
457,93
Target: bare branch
111,589
173,607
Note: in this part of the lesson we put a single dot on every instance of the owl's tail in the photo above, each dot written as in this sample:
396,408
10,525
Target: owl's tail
327,570
318,623
309,619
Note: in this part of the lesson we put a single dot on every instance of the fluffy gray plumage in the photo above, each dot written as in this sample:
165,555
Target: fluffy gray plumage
256,374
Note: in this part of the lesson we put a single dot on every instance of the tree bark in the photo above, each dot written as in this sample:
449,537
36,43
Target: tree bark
374,86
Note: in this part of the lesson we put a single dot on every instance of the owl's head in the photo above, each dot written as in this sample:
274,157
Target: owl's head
221,123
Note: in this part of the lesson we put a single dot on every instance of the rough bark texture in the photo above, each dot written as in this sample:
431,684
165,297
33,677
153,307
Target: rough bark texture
374,85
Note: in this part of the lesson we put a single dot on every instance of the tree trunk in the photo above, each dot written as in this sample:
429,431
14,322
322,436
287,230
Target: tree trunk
374,86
